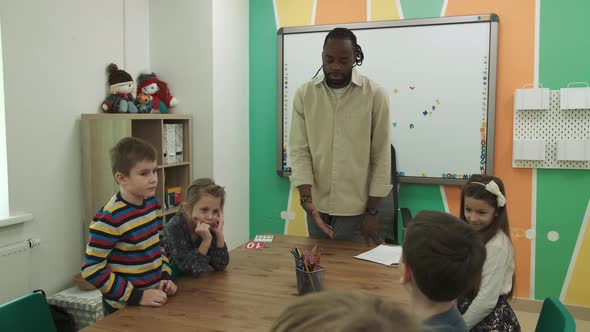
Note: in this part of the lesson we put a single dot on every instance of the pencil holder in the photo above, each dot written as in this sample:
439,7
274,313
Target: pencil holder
312,281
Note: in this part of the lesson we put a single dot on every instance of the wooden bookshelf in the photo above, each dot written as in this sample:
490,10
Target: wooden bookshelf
100,132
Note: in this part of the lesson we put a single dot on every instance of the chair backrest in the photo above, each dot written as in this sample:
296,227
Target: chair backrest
555,317
28,313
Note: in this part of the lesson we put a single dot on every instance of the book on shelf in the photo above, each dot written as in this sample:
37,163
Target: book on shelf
173,197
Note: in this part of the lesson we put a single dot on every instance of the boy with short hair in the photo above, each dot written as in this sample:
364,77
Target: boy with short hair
124,256
442,257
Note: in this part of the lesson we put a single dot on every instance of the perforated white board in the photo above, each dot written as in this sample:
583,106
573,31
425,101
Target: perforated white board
551,125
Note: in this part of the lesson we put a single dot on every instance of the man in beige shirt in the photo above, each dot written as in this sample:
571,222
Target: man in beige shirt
340,145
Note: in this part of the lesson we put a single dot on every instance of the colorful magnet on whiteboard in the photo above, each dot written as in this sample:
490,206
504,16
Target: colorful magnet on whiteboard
430,113
395,90
411,126
437,101
433,107
423,174
395,124
412,87
425,113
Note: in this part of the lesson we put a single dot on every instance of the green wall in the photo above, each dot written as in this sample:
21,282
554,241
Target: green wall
562,195
421,8
269,193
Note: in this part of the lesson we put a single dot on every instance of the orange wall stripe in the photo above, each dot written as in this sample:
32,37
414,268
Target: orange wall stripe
515,68
340,11
453,194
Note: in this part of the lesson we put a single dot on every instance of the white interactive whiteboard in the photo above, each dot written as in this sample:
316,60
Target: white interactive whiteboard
440,75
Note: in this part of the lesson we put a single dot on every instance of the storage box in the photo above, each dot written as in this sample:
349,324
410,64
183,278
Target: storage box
575,97
573,150
84,306
528,149
531,99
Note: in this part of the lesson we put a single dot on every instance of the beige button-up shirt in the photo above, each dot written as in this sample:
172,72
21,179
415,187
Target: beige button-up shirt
341,146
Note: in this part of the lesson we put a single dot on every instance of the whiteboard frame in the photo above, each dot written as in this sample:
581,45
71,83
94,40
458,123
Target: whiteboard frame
491,19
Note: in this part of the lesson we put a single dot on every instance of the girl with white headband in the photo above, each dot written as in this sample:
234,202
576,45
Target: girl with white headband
483,206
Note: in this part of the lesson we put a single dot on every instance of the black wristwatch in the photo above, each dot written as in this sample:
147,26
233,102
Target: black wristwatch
372,211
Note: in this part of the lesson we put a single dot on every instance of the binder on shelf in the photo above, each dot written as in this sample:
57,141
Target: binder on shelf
532,98
179,142
170,143
574,97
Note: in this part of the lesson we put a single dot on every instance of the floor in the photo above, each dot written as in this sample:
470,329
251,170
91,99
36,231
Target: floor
528,321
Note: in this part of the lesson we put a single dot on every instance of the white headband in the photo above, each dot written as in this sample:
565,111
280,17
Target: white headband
494,189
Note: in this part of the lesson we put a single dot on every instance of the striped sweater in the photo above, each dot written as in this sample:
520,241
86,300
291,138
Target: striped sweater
125,252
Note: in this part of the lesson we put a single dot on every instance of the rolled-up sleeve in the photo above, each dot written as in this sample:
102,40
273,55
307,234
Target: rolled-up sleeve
380,174
299,153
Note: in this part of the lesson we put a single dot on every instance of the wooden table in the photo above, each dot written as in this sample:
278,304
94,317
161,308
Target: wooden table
255,289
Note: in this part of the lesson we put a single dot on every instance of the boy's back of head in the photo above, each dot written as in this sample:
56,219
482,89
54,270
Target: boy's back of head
344,311
444,254
128,152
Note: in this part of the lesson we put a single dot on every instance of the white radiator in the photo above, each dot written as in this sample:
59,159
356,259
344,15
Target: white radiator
16,263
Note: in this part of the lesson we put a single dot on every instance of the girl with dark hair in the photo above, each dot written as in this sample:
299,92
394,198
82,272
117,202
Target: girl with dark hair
483,206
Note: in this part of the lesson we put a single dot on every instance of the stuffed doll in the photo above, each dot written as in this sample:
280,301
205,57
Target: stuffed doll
120,99
144,103
162,99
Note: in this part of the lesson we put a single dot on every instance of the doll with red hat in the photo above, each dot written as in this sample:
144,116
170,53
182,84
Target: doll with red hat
121,85
162,99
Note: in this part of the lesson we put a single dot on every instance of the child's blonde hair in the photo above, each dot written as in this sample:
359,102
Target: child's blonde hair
203,186
344,312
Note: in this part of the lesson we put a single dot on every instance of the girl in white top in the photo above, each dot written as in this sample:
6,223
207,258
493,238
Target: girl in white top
483,206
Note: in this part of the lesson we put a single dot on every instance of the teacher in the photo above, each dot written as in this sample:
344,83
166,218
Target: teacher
339,145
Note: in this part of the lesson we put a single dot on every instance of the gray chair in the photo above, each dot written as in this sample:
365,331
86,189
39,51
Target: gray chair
390,210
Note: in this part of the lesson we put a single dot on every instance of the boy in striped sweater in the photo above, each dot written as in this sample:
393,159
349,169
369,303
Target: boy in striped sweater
124,256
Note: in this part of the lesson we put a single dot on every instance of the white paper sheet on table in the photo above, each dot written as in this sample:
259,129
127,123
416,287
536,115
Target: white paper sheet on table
382,254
